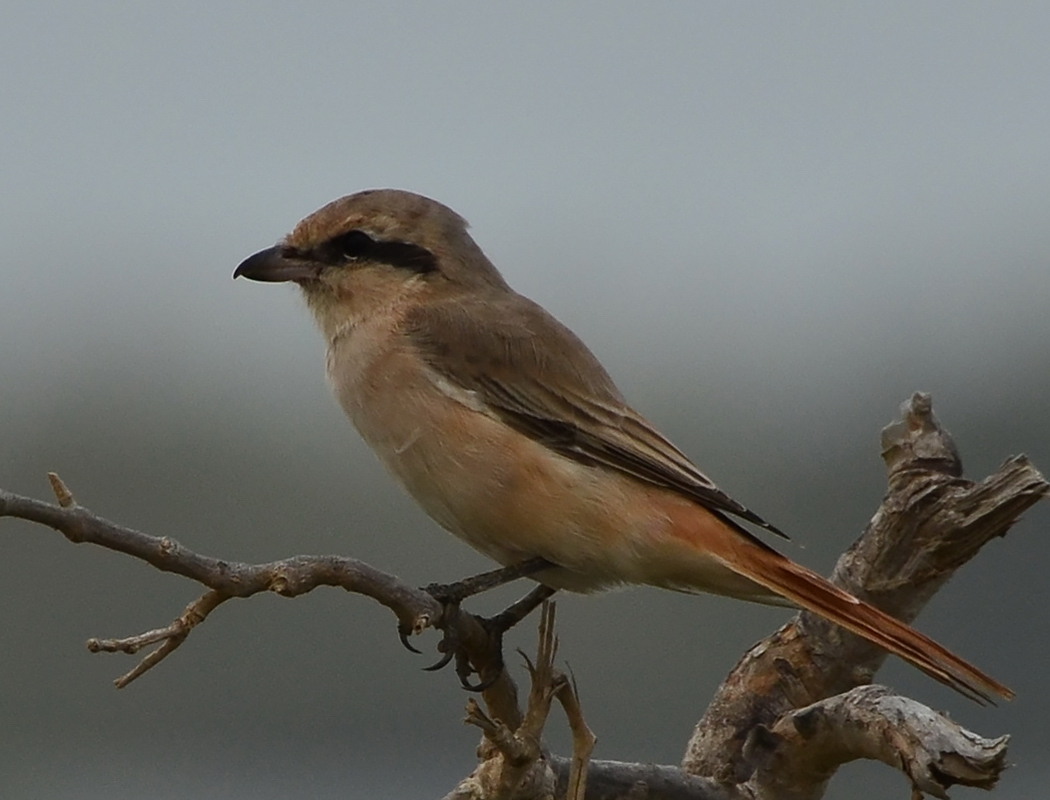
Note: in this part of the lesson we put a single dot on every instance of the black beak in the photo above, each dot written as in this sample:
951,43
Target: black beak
277,264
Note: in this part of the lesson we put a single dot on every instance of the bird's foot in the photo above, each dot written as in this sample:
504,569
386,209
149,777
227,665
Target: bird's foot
467,639
452,594
476,643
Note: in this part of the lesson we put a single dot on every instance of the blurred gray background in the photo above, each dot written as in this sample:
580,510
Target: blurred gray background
773,222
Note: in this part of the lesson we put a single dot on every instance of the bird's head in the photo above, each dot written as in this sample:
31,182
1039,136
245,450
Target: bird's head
369,250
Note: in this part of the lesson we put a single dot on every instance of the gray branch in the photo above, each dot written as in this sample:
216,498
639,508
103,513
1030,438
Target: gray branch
797,757
416,609
930,523
804,749
791,712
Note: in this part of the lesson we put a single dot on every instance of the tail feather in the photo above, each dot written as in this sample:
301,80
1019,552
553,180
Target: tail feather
810,591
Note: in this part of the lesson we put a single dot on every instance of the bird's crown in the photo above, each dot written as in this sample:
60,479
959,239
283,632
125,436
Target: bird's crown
390,215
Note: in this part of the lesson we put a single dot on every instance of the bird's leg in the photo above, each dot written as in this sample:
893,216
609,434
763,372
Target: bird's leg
483,643
495,627
517,611
476,584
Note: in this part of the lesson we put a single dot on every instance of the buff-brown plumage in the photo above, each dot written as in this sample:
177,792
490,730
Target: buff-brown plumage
507,430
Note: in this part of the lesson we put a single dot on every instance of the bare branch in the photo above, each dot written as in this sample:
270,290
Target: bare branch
797,757
777,729
930,523
583,740
620,780
171,637
515,767
514,750
415,609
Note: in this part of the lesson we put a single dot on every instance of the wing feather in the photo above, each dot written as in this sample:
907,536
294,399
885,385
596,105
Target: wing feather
538,377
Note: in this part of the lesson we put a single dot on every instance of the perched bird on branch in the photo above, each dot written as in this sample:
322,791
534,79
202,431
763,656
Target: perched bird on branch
507,430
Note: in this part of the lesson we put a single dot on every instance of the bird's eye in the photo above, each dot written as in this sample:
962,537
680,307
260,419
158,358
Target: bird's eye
350,246
357,246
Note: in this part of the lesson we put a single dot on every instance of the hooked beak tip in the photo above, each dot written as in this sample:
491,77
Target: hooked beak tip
274,265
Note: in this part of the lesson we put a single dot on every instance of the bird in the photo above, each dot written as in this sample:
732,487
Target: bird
500,422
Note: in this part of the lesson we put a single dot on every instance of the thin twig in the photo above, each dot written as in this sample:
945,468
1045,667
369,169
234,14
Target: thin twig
415,609
171,636
583,738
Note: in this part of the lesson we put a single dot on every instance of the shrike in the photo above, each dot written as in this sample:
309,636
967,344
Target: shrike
507,430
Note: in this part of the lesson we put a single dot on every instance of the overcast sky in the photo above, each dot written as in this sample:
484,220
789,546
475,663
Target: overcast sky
773,222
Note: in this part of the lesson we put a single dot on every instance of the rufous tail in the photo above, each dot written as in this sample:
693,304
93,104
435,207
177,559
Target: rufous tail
766,567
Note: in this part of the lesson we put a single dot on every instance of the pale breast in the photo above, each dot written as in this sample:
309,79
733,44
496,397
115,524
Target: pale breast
505,494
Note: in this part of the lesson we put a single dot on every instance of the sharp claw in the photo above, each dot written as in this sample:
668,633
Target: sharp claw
407,644
480,686
464,670
445,659
450,596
